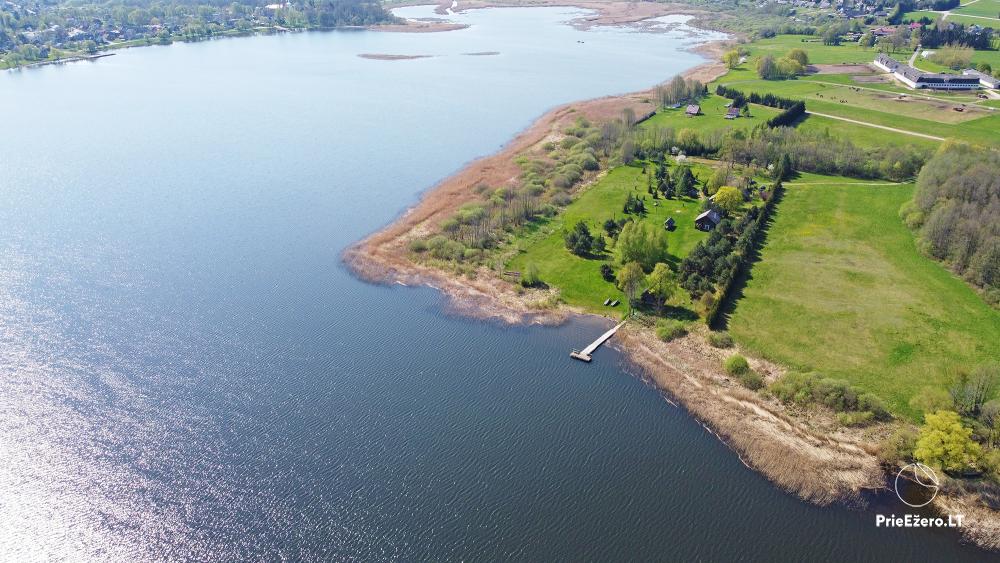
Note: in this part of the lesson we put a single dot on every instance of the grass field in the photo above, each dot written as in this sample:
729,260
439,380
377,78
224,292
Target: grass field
984,8
841,289
714,109
579,279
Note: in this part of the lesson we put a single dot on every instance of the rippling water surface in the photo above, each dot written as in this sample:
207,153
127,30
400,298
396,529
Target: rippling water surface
188,372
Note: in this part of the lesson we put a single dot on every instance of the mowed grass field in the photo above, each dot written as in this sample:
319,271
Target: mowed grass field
579,279
841,289
984,8
713,118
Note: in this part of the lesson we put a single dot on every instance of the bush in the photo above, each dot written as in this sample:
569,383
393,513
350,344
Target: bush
418,245
898,447
752,380
736,365
855,418
607,273
531,277
670,329
720,340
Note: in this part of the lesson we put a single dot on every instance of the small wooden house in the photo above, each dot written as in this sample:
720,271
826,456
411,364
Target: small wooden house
670,224
732,113
693,110
708,220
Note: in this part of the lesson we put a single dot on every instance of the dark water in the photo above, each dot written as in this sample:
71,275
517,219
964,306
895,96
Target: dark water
187,371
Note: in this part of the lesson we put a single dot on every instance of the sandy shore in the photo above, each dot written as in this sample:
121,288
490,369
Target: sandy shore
807,454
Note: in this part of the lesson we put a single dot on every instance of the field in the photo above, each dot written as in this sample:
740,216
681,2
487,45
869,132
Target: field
862,97
842,289
714,109
982,8
579,279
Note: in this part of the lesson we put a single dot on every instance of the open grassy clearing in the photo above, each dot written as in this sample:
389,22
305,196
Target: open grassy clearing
714,109
862,135
986,8
819,53
579,279
841,288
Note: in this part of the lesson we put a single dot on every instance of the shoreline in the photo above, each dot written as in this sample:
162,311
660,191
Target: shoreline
806,454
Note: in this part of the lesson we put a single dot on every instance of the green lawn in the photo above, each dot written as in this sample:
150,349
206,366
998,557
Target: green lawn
985,8
819,53
713,109
579,279
842,289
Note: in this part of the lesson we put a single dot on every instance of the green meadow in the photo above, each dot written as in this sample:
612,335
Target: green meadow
842,289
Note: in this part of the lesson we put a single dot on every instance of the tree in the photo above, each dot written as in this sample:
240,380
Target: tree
90,46
799,56
661,283
729,199
630,280
990,417
766,67
643,244
607,273
731,59
867,40
579,241
944,442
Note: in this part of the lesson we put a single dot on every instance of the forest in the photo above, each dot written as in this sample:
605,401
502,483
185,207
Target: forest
956,214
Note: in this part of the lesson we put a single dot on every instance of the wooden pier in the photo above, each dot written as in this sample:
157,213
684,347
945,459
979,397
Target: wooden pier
585,354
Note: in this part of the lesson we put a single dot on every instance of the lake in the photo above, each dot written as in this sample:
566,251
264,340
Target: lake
188,371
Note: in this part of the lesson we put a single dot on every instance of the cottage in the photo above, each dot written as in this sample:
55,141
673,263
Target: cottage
708,220
670,224
732,113
693,110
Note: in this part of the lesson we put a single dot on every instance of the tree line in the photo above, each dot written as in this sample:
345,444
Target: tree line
956,213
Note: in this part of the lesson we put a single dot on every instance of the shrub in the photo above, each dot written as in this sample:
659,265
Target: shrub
418,245
670,329
752,380
736,365
531,277
855,418
720,340
897,447
607,273
794,387
871,403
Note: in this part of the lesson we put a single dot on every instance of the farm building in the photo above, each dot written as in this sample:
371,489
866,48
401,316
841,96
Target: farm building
916,78
692,110
985,80
708,220
732,113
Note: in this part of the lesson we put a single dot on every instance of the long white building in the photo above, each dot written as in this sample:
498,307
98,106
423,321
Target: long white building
916,78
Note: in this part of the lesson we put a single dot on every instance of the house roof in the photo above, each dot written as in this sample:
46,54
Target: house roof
733,111
710,215
693,108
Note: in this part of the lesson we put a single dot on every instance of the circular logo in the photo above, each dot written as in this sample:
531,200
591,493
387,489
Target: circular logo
919,485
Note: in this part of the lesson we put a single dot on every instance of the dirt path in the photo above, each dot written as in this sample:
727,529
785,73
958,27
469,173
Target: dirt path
866,124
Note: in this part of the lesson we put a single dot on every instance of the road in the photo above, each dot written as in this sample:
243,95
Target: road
866,124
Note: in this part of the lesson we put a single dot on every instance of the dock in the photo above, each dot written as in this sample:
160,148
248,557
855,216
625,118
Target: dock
585,354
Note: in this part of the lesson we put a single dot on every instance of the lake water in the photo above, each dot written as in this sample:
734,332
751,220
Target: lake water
187,371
